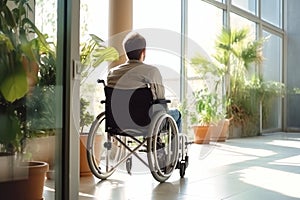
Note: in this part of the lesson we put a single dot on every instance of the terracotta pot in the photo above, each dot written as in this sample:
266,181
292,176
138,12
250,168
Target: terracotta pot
201,134
42,149
84,166
235,131
25,180
219,133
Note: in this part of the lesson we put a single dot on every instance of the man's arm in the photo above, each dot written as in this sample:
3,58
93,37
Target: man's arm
157,86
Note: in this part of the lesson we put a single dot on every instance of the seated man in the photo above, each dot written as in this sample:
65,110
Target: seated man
135,74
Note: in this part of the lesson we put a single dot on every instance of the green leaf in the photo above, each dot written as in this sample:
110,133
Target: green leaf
14,86
107,54
9,17
9,128
96,38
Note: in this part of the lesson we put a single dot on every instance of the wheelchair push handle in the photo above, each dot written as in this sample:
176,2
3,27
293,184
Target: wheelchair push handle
101,81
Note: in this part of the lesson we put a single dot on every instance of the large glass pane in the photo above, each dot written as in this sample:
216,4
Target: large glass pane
43,114
157,14
200,30
92,22
205,22
272,71
245,107
239,22
247,5
29,94
271,11
160,23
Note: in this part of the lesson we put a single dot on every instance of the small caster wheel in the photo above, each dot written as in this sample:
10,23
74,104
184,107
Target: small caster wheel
182,169
129,165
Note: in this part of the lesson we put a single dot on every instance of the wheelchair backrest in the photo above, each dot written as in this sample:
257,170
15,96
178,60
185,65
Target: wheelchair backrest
127,109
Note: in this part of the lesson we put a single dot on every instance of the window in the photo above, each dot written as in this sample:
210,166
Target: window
272,71
271,11
93,21
205,22
161,27
237,22
247,5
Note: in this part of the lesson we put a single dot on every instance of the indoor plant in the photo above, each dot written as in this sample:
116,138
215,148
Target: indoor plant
206,115
240,54
243,90
41,125
21,43
20,60
85,120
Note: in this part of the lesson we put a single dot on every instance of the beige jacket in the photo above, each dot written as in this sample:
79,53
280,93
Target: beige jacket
135,74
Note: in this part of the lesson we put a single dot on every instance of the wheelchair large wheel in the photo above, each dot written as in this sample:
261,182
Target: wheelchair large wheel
103,151
163,147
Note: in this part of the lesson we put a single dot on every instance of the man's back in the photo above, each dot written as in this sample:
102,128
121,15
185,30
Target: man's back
135,74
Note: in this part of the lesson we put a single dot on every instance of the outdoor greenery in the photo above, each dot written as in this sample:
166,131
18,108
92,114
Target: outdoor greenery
240,88
93,52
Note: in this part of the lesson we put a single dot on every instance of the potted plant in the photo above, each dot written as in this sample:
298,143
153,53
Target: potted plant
93,52
40,114
20,46
215,114
207,113
85,120
41,126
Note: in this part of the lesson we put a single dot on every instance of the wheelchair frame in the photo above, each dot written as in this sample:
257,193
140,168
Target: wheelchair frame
166,149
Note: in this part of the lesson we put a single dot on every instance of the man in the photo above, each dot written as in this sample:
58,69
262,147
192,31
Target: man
135,74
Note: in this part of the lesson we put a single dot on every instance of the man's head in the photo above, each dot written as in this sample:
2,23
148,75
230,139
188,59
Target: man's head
134,45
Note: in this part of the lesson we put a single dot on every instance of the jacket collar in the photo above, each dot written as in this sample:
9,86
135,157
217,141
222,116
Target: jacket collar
134,61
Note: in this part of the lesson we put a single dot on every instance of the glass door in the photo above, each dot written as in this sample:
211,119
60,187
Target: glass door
39,78
57,94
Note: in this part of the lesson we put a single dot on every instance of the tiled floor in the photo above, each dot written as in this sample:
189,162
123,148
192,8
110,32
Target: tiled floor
264,167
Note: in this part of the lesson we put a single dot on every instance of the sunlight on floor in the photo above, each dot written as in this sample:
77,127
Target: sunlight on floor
86,195
290,161
217,154
275,180
248,151
285,143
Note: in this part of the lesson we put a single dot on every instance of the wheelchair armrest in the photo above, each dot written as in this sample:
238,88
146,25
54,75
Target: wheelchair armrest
161,101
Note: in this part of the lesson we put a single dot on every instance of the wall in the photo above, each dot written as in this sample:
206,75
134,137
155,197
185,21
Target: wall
293,61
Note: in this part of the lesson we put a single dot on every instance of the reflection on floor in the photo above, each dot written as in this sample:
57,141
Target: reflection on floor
264,167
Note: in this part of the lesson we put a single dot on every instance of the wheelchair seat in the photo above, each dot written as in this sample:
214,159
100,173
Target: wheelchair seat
129,111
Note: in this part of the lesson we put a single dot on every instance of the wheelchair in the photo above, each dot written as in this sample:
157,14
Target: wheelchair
134,124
